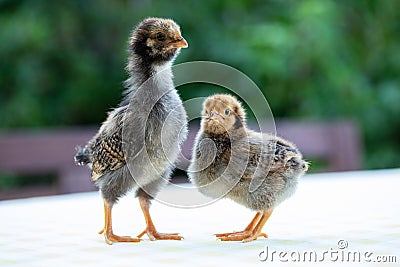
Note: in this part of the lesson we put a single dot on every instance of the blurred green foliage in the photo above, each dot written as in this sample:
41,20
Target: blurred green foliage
62,62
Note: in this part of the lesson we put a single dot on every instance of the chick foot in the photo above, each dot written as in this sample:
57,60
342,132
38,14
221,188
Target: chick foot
154,235
244,236
110,238
239,233
247,230
150,228
252,231
107,230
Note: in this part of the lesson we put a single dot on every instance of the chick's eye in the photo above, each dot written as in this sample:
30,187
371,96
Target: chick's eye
227,111
161,37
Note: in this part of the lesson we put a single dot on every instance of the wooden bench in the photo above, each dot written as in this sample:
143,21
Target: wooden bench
51,151
47,151
338,143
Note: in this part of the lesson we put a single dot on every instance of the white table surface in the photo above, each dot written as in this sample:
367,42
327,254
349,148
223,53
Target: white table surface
362,208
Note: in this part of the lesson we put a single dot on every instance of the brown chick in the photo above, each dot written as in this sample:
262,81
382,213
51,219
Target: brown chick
227,158
152,120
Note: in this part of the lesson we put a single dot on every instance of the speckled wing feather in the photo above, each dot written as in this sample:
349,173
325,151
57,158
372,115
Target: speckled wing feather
255,160
275,155
107,155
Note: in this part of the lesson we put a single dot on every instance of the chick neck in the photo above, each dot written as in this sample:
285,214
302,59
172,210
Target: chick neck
237,131
142,67
151,79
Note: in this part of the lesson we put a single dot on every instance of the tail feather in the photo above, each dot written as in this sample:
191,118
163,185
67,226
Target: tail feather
82,156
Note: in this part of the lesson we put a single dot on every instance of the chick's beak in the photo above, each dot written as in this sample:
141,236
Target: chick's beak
180,43
213,115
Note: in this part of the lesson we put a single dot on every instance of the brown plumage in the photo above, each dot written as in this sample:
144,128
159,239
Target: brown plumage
137,145
256,170
109,155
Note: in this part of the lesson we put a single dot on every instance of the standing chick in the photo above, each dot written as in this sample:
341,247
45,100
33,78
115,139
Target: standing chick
227,158
137,145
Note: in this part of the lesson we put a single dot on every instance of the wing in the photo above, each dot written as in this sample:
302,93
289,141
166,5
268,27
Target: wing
266,156
107,155
257,160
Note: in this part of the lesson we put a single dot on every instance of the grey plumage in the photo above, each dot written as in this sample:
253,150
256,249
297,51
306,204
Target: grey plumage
243,155
227,158
136,147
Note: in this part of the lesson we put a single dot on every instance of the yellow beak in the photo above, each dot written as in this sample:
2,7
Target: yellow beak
181,43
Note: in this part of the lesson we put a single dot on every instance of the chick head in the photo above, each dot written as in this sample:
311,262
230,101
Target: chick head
222,113
157,40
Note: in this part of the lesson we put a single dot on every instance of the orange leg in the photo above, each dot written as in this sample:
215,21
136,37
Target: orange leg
109,236
249,227
105,219
257,231
150,228
252,234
